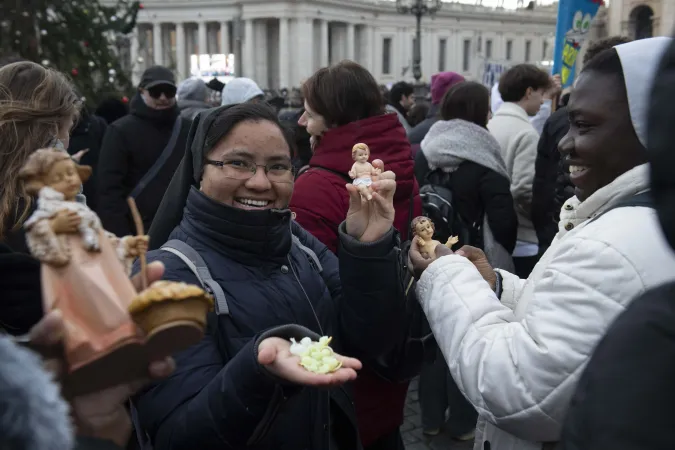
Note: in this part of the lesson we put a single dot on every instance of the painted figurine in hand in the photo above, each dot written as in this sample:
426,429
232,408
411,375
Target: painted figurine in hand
423,230
85,270
362,171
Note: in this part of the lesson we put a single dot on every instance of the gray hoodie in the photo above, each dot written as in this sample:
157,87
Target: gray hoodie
192,95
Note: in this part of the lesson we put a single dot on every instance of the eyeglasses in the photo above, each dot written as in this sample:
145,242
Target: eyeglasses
167,90
278,172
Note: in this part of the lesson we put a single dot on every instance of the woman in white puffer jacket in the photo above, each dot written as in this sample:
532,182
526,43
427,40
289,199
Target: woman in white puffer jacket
516,348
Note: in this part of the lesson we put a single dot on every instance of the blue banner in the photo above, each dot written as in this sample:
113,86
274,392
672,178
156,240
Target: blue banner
574,22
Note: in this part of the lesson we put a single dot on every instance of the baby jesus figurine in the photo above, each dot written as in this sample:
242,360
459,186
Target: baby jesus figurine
85,270
362,171
423,230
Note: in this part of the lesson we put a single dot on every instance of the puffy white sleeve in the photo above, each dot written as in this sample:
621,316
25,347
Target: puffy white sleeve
521,374
512,284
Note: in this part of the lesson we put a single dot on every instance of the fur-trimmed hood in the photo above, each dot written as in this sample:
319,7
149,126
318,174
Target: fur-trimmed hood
33,416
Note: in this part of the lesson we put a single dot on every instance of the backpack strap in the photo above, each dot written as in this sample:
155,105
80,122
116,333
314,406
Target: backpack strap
643,199
313,259
198,266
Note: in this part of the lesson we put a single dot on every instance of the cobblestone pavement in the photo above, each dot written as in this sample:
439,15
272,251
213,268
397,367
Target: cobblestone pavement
413,437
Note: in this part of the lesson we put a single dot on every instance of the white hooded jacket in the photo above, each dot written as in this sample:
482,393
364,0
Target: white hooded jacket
518,358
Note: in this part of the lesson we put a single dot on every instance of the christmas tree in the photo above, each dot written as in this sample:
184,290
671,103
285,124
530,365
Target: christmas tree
83,38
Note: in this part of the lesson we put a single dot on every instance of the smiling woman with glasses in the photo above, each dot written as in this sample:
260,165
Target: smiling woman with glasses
226,213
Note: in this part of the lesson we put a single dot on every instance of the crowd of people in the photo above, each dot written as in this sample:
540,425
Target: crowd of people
548,324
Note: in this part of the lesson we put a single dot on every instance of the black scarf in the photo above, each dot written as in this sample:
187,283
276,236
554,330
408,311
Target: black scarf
245,236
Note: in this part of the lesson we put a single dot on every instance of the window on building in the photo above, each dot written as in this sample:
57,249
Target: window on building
509,50
386,56
488,48
528,48
544,50
442,47
642,18
466,55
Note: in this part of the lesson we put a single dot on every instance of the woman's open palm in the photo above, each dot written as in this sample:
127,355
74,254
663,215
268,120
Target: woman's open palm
275,354
367,220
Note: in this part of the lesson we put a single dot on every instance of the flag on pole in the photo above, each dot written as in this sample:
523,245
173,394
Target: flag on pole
574,22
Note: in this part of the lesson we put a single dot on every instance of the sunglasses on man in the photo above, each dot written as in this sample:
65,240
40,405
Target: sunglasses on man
166,89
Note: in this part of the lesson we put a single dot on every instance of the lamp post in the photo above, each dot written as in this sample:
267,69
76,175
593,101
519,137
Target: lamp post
418,8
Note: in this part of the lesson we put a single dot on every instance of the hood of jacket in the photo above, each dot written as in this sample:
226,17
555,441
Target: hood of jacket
240,90
386,140
639,61
449,143
188,174
192,89
34,414
160,117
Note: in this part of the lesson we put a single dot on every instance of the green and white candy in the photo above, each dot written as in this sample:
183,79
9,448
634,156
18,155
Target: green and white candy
316,357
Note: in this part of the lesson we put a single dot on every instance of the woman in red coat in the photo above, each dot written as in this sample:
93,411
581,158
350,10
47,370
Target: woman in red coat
344,106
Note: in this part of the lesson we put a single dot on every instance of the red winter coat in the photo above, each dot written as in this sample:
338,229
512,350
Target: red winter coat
321,201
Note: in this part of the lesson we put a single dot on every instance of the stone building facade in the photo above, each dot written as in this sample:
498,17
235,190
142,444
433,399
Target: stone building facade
280,43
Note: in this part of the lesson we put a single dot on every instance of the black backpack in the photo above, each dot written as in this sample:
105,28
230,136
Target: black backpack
438,206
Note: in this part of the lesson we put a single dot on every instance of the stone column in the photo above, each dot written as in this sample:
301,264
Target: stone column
371,65
248,65
157,43
203,45
224,38
180,51
323,62
350,42
667,19
284,53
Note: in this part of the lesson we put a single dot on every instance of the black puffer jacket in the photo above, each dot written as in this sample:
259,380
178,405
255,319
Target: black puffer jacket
552,186
219,397
131,146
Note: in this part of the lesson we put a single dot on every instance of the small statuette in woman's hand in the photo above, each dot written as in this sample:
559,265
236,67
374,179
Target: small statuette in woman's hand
65,222
275,354
100,414
419,261
368,221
